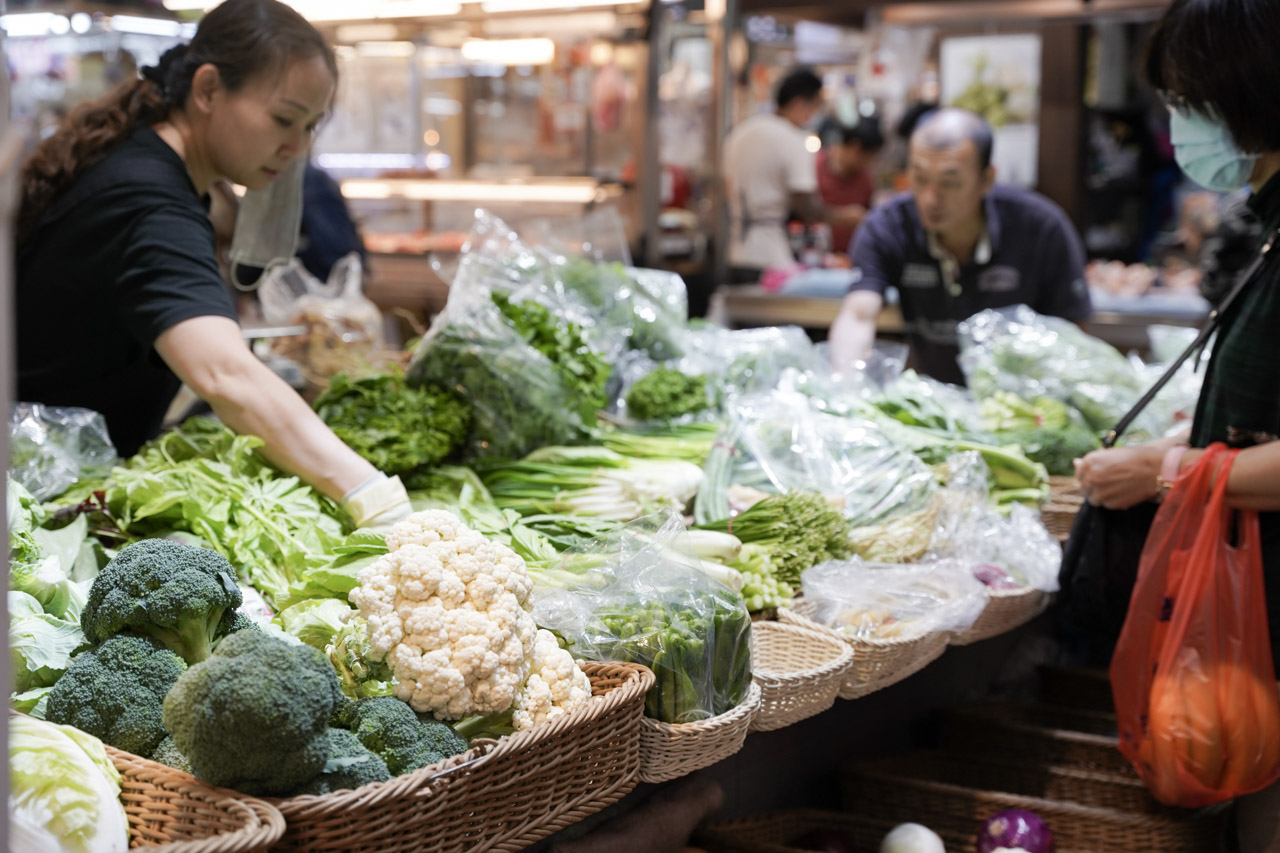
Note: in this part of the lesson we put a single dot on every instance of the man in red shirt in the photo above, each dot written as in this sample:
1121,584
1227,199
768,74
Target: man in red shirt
844,173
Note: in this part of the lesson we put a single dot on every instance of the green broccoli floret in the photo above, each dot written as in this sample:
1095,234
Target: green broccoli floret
167,753
115,691
182,596
350,765
1054,448
253,716
441,736
667,393
391,729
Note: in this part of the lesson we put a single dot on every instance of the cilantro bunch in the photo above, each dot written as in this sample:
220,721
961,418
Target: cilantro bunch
666,394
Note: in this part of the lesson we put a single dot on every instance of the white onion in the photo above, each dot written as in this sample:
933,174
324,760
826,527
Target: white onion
912,838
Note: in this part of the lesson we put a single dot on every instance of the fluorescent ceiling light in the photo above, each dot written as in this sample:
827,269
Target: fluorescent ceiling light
385,48
540,5
321,11
537,51
145,26
367,161
352,33
558,192
34,24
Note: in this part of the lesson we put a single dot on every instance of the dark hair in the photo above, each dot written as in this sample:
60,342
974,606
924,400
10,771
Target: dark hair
866,133
1219,57
242,38
801,83
951,126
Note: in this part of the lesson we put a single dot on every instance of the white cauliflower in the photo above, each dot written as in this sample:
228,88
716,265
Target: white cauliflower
556,685
447,611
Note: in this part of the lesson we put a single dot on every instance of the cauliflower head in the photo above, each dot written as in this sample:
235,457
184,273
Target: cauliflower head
447,611
556,685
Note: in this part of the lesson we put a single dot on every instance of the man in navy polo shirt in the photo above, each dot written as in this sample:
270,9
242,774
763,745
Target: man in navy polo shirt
957,244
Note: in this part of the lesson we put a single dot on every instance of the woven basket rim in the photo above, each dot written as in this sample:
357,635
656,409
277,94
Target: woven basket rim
871,770
803,619
747,708
843,653
262,823
638,678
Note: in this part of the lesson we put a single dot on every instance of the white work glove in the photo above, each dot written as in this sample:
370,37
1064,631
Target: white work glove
378,503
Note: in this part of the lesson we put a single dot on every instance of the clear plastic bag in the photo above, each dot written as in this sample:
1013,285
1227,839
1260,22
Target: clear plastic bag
1017,350
522,400
344,329
1003,551
52,448
871,601
800,449
642,599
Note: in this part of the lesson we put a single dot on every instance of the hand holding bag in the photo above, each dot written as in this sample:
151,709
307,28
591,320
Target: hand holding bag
1196,698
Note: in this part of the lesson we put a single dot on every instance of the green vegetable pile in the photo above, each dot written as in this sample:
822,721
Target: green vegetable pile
397,428
1055,449
532,379
700,653
203,479
666,393
629,301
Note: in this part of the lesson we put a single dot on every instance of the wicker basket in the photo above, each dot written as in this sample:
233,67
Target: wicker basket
1006,609
671,750
877,664
500,796
175,812
771,833
1051,735
799,672
1064,503
952,795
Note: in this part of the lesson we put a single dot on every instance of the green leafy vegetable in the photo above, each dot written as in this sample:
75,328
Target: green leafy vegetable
395,427
1055,449
201,478
666,394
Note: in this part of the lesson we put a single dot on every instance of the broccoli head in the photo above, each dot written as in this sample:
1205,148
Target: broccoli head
167,753
115,692
442,737
391,730
182,596
253,716
350,765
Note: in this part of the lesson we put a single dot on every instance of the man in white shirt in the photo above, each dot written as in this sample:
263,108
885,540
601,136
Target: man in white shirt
769,173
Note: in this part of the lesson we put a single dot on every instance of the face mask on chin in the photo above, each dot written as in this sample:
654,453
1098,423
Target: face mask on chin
1206,153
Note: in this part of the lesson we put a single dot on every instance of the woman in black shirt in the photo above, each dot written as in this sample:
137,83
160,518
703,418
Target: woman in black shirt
119,296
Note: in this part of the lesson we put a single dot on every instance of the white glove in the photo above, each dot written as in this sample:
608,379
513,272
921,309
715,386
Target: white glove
378,503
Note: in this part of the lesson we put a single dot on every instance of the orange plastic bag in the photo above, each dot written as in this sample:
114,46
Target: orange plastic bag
1193,679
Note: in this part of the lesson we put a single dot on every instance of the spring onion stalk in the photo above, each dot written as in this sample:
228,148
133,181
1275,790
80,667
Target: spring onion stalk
590,481
688,442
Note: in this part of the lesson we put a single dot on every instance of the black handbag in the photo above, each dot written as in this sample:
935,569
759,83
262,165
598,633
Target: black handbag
1101,556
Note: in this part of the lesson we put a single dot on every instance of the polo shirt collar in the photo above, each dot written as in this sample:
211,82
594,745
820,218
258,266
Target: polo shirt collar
988,241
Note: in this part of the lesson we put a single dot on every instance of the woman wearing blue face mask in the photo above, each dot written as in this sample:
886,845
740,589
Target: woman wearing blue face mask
1217,65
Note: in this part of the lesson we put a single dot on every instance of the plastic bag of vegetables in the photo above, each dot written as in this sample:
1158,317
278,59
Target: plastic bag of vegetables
1005,550
870,601
659,608
850,461
531,373
1017,350
64,792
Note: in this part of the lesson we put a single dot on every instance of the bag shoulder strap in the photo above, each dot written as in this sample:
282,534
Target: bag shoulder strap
1211,325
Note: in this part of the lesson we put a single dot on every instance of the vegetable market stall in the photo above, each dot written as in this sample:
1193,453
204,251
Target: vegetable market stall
604,494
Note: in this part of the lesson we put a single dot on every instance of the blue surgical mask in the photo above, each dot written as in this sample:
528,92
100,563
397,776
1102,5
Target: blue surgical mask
1206,152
